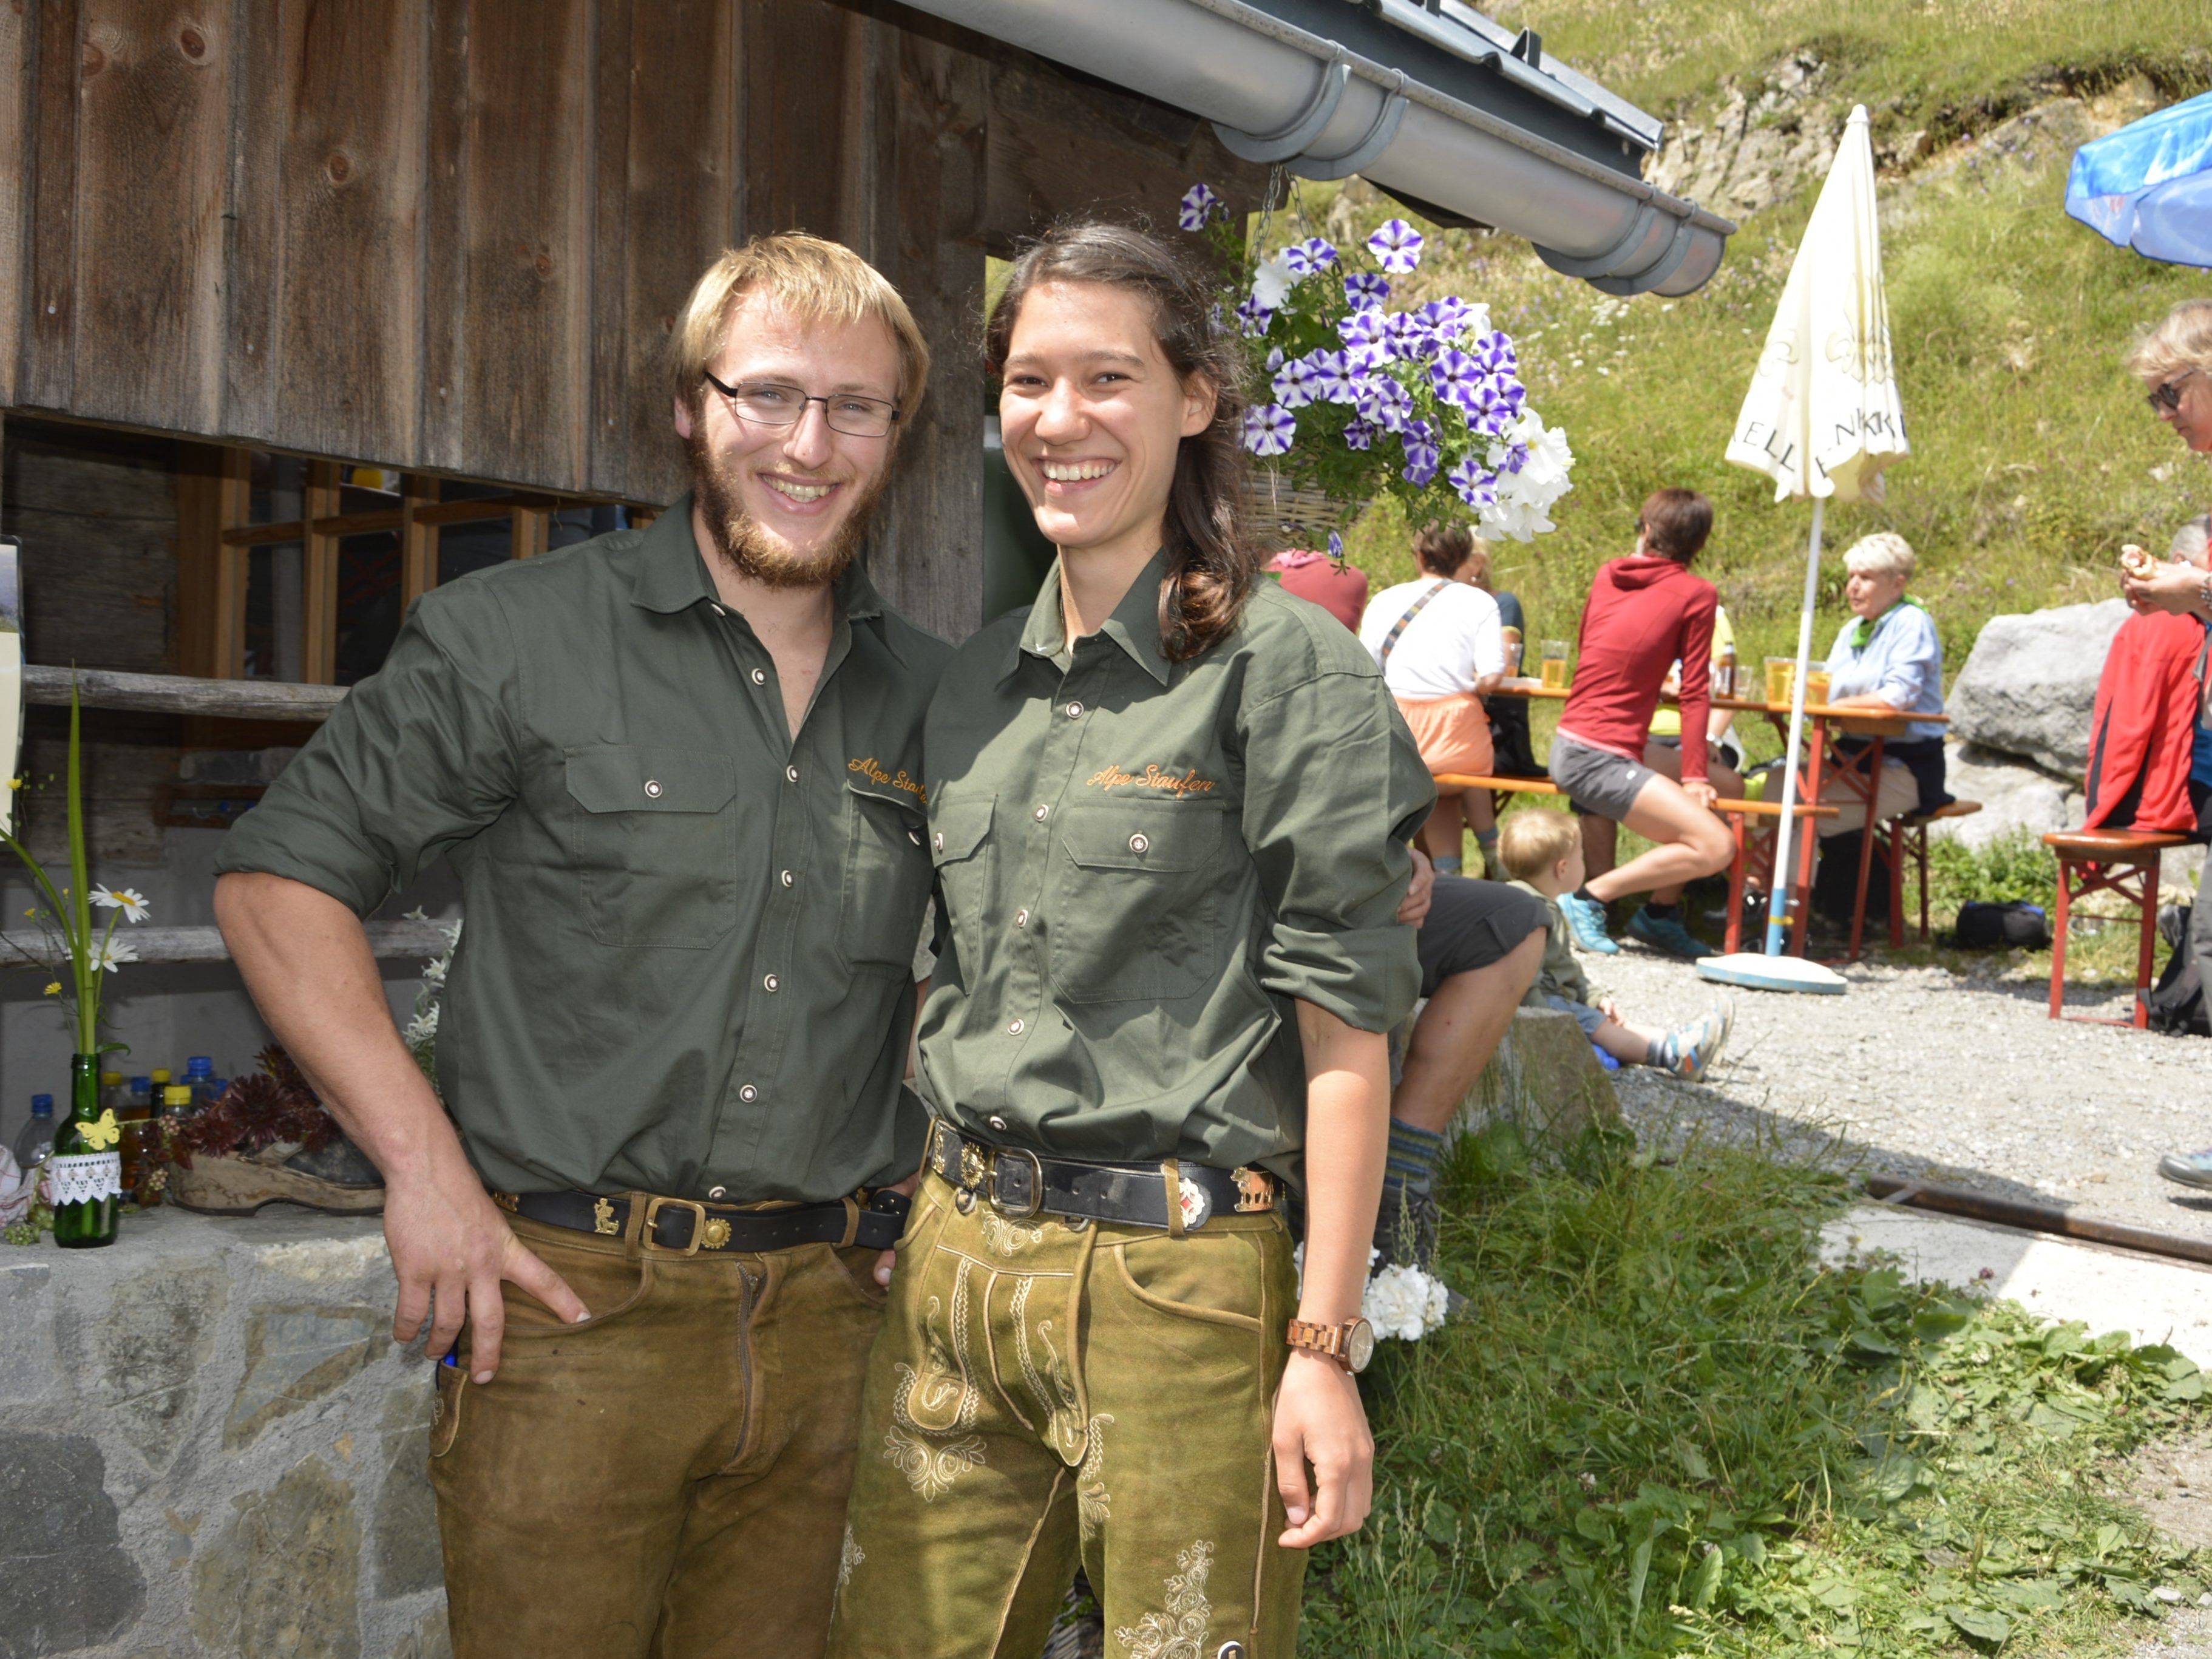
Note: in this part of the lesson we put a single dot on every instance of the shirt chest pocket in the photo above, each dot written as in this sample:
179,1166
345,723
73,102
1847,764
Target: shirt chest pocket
886,878
652,834
960,843
1136,903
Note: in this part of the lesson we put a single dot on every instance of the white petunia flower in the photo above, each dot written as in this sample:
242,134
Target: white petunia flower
128,900
1404,1302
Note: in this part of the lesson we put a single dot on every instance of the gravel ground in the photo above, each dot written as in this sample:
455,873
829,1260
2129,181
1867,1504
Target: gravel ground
1923,1073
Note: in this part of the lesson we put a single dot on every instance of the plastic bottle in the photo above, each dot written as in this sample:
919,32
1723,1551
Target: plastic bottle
36,1141
142,1093
199,1078
114,1095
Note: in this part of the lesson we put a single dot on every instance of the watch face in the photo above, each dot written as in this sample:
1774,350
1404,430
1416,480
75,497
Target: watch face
1358,1345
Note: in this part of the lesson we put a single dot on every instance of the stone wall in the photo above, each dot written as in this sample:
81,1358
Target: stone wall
210,1445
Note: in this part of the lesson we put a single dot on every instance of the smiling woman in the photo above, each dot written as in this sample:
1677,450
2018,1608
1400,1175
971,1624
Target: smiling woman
1169,808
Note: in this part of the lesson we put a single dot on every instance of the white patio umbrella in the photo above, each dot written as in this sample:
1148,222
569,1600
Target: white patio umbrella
1822,419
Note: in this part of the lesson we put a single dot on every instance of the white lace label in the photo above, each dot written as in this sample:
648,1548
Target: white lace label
83,1178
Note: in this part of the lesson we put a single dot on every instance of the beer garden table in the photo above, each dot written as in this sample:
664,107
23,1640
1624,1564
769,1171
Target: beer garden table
1863,783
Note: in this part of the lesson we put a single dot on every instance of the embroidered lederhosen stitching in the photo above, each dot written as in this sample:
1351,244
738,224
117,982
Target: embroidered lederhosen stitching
932,1459
1179,1630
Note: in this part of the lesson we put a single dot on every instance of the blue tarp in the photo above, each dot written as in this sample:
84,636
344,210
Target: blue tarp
2148,186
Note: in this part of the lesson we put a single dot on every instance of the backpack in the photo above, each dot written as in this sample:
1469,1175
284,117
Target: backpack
1984,925
2177,1001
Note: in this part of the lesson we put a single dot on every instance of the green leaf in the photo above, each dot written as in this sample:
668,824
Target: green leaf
1706,1582
1639,1569
2057,1424
1983,1623
1591,1524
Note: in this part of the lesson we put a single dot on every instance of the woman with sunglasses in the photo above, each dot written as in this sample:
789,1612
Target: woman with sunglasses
1169,807
2174,363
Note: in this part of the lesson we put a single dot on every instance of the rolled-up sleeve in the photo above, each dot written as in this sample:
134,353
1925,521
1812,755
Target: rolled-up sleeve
417,757
1334,789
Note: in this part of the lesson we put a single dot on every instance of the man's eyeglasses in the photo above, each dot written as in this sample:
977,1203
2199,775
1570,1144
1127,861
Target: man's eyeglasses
2167,398
771,403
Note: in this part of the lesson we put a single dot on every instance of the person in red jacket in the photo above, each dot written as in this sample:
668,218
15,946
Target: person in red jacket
1645,612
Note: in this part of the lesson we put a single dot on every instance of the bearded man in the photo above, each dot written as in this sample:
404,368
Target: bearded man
675,770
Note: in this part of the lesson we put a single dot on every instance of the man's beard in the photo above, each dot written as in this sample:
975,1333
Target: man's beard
752,551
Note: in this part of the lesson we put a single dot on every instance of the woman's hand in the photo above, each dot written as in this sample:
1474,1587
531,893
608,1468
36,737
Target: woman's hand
2179,588
1320,1424
1419,890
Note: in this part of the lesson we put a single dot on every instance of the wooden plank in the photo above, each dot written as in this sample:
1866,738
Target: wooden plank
680,184
387,941
484,506
180,694
19,84
153,167
318,606
615,87
97,514
795,167
214,495
445,257
532,528
341,123
345,524
418,541
44,379
526,176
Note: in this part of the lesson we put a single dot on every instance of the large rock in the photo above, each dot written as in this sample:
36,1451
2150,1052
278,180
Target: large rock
1544,1077
282,1580
65,1582
2030,685
2013,795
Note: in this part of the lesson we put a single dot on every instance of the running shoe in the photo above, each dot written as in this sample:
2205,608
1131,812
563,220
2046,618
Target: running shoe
1666,935
1689,1051
1586,923
2192,1169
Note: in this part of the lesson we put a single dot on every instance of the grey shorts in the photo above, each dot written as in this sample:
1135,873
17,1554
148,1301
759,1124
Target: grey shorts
1597,784
1585,1016
1472,924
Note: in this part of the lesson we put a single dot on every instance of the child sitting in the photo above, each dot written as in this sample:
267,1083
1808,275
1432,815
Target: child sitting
1543,853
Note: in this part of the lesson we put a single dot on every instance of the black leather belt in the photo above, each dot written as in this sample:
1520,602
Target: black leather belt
1021,1183
687,1227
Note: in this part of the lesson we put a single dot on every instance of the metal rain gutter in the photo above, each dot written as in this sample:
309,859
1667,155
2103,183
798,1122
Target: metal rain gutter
1281,94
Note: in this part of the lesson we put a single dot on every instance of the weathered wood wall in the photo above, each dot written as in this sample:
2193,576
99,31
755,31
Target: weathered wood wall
451,235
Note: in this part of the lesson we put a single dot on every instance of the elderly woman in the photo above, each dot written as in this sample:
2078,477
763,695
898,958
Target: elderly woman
2174,363
1889,659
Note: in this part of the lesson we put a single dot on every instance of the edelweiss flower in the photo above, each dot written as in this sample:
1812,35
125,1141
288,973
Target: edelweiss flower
1309,257
1396,246
128,900
1199,205
1268,429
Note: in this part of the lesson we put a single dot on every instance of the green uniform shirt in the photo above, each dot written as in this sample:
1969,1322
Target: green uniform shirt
1560,975
1142,863
688,961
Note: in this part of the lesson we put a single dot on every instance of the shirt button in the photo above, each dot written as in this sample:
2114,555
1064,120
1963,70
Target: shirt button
938,841
785,878
1075,711
790,774
1021,918
998,1123
770,982
760,677
748,1093
1138,843
914,835
652,788
1014,1026
717,609
718,1192
1042,813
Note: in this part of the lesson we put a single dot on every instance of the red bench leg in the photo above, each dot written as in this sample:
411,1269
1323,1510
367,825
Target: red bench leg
2058,939
2144,953
1734,940
1920,857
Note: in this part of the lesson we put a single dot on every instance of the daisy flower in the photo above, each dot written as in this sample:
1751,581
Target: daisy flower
128,900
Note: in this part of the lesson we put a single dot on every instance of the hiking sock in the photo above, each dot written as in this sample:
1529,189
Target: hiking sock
1410,1164
1447,865
1587,897
1659,1052
1487,840
1659,912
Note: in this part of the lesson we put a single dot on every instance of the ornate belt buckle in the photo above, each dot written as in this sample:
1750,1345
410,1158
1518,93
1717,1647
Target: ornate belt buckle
655,1204
1001,1170
1255,1189
974,1167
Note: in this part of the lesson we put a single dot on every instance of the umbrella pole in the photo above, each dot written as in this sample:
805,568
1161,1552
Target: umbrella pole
1777,914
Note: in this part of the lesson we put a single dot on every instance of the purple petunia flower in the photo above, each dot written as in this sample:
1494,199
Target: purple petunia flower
1336,547
1396,246
1408,339
1333,380
1309,257
1385,403
1268,429
1253,317
1444,318
1199,205
1362,362
1474,482
1516,457
1357,434
1294,384
1362,328
1496,354
1420,465
1493,404
1454,375
1365,290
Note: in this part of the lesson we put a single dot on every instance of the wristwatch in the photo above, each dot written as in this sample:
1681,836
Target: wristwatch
1352,1343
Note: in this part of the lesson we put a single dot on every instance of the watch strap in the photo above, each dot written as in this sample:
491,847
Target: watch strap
1329,1339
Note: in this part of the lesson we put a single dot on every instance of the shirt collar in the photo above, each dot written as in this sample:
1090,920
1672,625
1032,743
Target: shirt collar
1134,626
672,575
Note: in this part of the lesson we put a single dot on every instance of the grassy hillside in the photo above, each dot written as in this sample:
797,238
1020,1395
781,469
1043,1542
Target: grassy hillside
2033,455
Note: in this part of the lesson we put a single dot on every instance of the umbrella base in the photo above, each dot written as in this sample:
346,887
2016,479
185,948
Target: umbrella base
1755,972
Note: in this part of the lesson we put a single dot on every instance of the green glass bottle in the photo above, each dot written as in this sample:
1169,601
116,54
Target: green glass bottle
84,1177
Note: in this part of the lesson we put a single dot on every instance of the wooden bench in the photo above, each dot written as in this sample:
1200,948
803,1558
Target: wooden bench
1740,814
1906,838
2122,861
